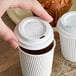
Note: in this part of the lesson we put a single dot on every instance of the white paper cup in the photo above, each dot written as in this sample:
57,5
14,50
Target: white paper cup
67,30
35,35
36,65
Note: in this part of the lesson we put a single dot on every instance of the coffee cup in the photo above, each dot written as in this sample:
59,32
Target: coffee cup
37,46
66,27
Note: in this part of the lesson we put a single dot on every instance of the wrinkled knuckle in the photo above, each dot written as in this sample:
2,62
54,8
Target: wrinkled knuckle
40,14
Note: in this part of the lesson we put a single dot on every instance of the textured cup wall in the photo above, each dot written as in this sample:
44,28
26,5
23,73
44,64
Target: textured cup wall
36,65
68,48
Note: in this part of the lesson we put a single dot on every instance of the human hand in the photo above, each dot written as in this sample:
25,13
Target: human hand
33,5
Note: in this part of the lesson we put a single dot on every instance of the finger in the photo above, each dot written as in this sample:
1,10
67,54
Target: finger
7,35
39,10
4,5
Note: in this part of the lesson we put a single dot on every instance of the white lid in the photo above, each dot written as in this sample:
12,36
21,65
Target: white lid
34,33
67,23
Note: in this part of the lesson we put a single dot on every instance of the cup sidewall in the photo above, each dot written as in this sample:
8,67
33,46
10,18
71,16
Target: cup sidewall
68,47
41,63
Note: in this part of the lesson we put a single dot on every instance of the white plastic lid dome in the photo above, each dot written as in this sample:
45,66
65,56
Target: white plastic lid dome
34,33
67,24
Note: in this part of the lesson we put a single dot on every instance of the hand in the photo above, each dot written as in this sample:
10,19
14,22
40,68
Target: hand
33,5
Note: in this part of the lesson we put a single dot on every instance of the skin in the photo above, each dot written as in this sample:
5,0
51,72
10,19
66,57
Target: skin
7,34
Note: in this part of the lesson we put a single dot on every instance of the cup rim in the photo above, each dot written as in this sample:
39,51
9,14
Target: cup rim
38,54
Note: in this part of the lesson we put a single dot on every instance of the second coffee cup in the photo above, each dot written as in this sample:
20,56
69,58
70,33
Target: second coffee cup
67,30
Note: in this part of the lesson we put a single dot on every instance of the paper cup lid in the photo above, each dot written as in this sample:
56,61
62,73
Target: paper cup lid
34,33
67,23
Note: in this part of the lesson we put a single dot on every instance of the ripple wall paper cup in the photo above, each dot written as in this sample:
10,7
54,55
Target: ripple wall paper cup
36,65
67,30
37,45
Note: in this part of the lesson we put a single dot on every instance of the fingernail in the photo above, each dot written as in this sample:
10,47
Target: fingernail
50,19
13,43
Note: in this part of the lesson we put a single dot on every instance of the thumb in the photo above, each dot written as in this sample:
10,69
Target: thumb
7,35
